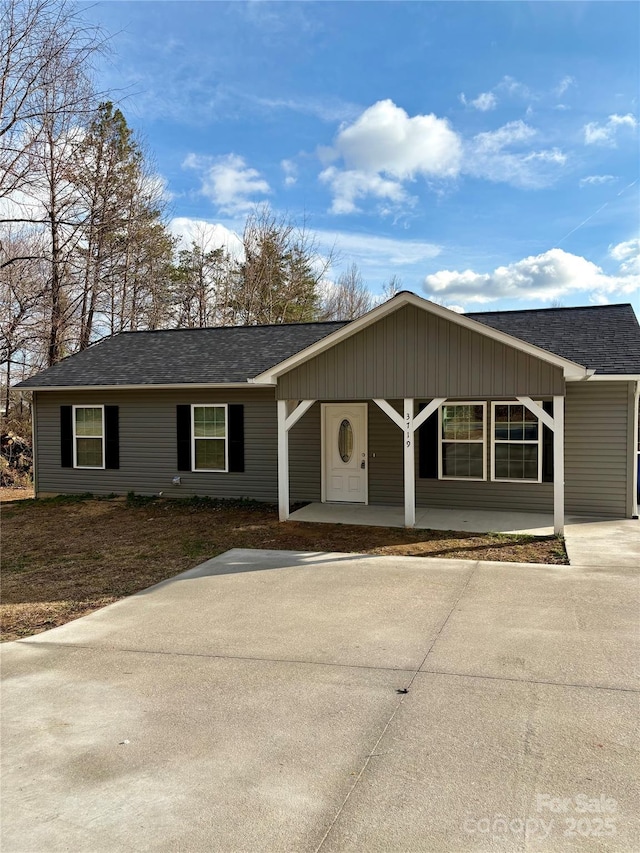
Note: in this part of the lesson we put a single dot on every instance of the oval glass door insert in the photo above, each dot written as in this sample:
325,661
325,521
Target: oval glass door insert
345,441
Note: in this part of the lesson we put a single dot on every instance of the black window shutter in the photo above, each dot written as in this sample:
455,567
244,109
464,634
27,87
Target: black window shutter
428,447
547,446
66,436
112,437
183,423
235,432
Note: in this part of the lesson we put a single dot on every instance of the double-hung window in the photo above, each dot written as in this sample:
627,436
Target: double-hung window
209,439
517,444
462,441
88,437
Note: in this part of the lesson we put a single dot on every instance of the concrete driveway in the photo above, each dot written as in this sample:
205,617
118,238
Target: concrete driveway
252,704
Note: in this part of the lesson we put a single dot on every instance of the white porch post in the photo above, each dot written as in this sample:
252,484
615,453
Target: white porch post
409,424
556,424
283,462
286,420
558,465
409,466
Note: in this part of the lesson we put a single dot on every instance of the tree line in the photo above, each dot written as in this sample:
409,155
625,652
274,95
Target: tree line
85,247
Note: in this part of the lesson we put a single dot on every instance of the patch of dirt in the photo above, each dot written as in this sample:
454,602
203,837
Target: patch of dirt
15,493
65,557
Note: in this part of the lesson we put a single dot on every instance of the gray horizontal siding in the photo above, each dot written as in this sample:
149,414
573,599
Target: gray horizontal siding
413,353
148,445
305,464
597,451
597,477
386,479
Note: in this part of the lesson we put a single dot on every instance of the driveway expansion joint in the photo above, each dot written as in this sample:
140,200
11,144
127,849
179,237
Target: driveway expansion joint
373,752
249,658
540,681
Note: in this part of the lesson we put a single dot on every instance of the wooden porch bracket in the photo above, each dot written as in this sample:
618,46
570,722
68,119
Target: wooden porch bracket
556,425
408,423
286,420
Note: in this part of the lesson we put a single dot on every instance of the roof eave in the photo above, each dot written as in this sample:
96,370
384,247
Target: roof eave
614,377
145,386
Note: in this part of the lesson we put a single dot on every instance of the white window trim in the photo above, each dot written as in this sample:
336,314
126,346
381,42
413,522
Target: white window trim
495,441
224,470
103,438
442,476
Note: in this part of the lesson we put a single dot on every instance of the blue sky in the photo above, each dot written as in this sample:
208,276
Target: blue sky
485,153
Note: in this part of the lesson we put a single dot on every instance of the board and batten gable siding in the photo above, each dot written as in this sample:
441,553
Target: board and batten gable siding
413,353
148,445
598,448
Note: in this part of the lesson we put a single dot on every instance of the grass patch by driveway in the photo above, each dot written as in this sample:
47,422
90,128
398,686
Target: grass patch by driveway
65,557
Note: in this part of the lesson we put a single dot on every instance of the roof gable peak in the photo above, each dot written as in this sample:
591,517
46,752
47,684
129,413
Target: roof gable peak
399,300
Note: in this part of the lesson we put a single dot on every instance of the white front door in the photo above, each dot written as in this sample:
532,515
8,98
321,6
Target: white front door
345,452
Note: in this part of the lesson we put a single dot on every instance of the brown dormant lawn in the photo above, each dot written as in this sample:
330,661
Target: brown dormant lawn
65,557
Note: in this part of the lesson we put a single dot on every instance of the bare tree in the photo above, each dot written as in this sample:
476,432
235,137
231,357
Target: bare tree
46,95
43,44
23,286
391,287
277,281
201,283
348,298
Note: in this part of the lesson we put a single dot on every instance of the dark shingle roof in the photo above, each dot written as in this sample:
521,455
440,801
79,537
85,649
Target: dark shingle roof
177,356
605,338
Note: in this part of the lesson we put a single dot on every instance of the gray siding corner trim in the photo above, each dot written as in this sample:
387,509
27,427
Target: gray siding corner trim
413,353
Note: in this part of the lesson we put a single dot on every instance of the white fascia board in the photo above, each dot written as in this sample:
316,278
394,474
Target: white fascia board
614,377
183,386
571,368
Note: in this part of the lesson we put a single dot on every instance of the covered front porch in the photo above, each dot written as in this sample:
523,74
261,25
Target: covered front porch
405,417
468,520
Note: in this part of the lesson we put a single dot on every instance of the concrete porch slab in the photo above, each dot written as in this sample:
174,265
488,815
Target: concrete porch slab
470,520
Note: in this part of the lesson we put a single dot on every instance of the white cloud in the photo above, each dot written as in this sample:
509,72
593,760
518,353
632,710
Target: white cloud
489,155
325,109
514,88
628,255
385,147
566,82
596,180
385,139
484,102
228,182
373,250
508,134
210,235
290,170
349,186
606,134
544,277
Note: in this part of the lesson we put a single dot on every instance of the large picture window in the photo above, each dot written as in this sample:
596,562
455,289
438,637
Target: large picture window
517,451
462,441
88,437
209,450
